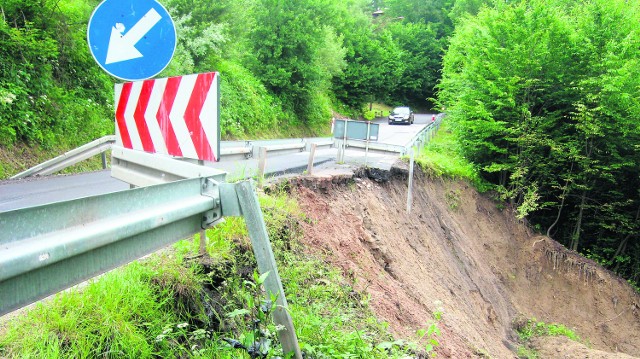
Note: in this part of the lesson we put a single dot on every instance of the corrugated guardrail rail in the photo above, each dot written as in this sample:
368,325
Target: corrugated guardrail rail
70,158
48,248
229,150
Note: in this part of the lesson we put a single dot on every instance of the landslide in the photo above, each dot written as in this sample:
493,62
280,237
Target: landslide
456,252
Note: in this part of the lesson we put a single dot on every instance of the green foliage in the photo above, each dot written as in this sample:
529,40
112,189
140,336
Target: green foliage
120,314
296,55
247,109
525,352
442,157
49,84
426,339
381,108
530,328
256,314
171,306
420,53
369,115
420,33
433,12
284,65
537,92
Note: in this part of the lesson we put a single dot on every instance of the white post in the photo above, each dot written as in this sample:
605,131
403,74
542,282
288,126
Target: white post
312,154
410,190
344,138
366,150
262,164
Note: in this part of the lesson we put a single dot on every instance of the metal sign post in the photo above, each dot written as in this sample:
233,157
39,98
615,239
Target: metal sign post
346,130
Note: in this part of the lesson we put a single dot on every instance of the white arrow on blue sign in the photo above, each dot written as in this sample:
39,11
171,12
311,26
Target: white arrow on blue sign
131,39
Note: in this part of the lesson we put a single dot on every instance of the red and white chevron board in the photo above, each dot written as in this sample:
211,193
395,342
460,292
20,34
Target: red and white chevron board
178,116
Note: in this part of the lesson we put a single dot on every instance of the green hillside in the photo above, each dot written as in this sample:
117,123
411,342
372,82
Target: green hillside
542,96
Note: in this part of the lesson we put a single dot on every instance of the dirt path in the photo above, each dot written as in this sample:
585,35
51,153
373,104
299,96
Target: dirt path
459,255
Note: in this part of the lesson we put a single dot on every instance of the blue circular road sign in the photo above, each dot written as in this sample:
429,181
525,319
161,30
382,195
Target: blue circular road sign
131,39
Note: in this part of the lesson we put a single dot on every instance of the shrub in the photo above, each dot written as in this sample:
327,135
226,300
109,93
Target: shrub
369,115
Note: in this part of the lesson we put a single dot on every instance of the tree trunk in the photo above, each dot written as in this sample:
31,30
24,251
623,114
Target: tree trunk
575,238
564,191
622,247
564,195
503,178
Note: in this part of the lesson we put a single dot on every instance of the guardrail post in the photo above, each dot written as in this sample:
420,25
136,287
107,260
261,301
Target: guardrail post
344,142
267,264
366,150
312,154
104,160
262,164
410,190
203,233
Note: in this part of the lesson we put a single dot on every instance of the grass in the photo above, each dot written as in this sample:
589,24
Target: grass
112,316
20,157
379,108
441,158
173,305
531,328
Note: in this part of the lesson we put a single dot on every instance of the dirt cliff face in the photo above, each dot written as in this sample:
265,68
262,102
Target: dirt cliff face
456,253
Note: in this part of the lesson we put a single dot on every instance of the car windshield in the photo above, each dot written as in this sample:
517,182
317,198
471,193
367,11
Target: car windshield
401,111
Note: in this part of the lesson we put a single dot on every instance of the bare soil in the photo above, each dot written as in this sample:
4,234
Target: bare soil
457,253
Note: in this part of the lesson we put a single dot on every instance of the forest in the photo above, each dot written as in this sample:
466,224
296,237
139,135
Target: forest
285,65
543,95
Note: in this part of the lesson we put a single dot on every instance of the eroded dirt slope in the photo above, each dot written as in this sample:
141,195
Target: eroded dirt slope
458,254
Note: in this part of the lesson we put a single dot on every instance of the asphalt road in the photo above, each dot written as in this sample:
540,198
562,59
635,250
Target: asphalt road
42,190
400,134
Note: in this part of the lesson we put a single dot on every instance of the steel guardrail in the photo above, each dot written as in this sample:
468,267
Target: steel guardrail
400,149
48,248
229,150
70,158
419,138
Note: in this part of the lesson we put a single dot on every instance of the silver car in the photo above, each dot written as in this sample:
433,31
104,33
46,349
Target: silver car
401,115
